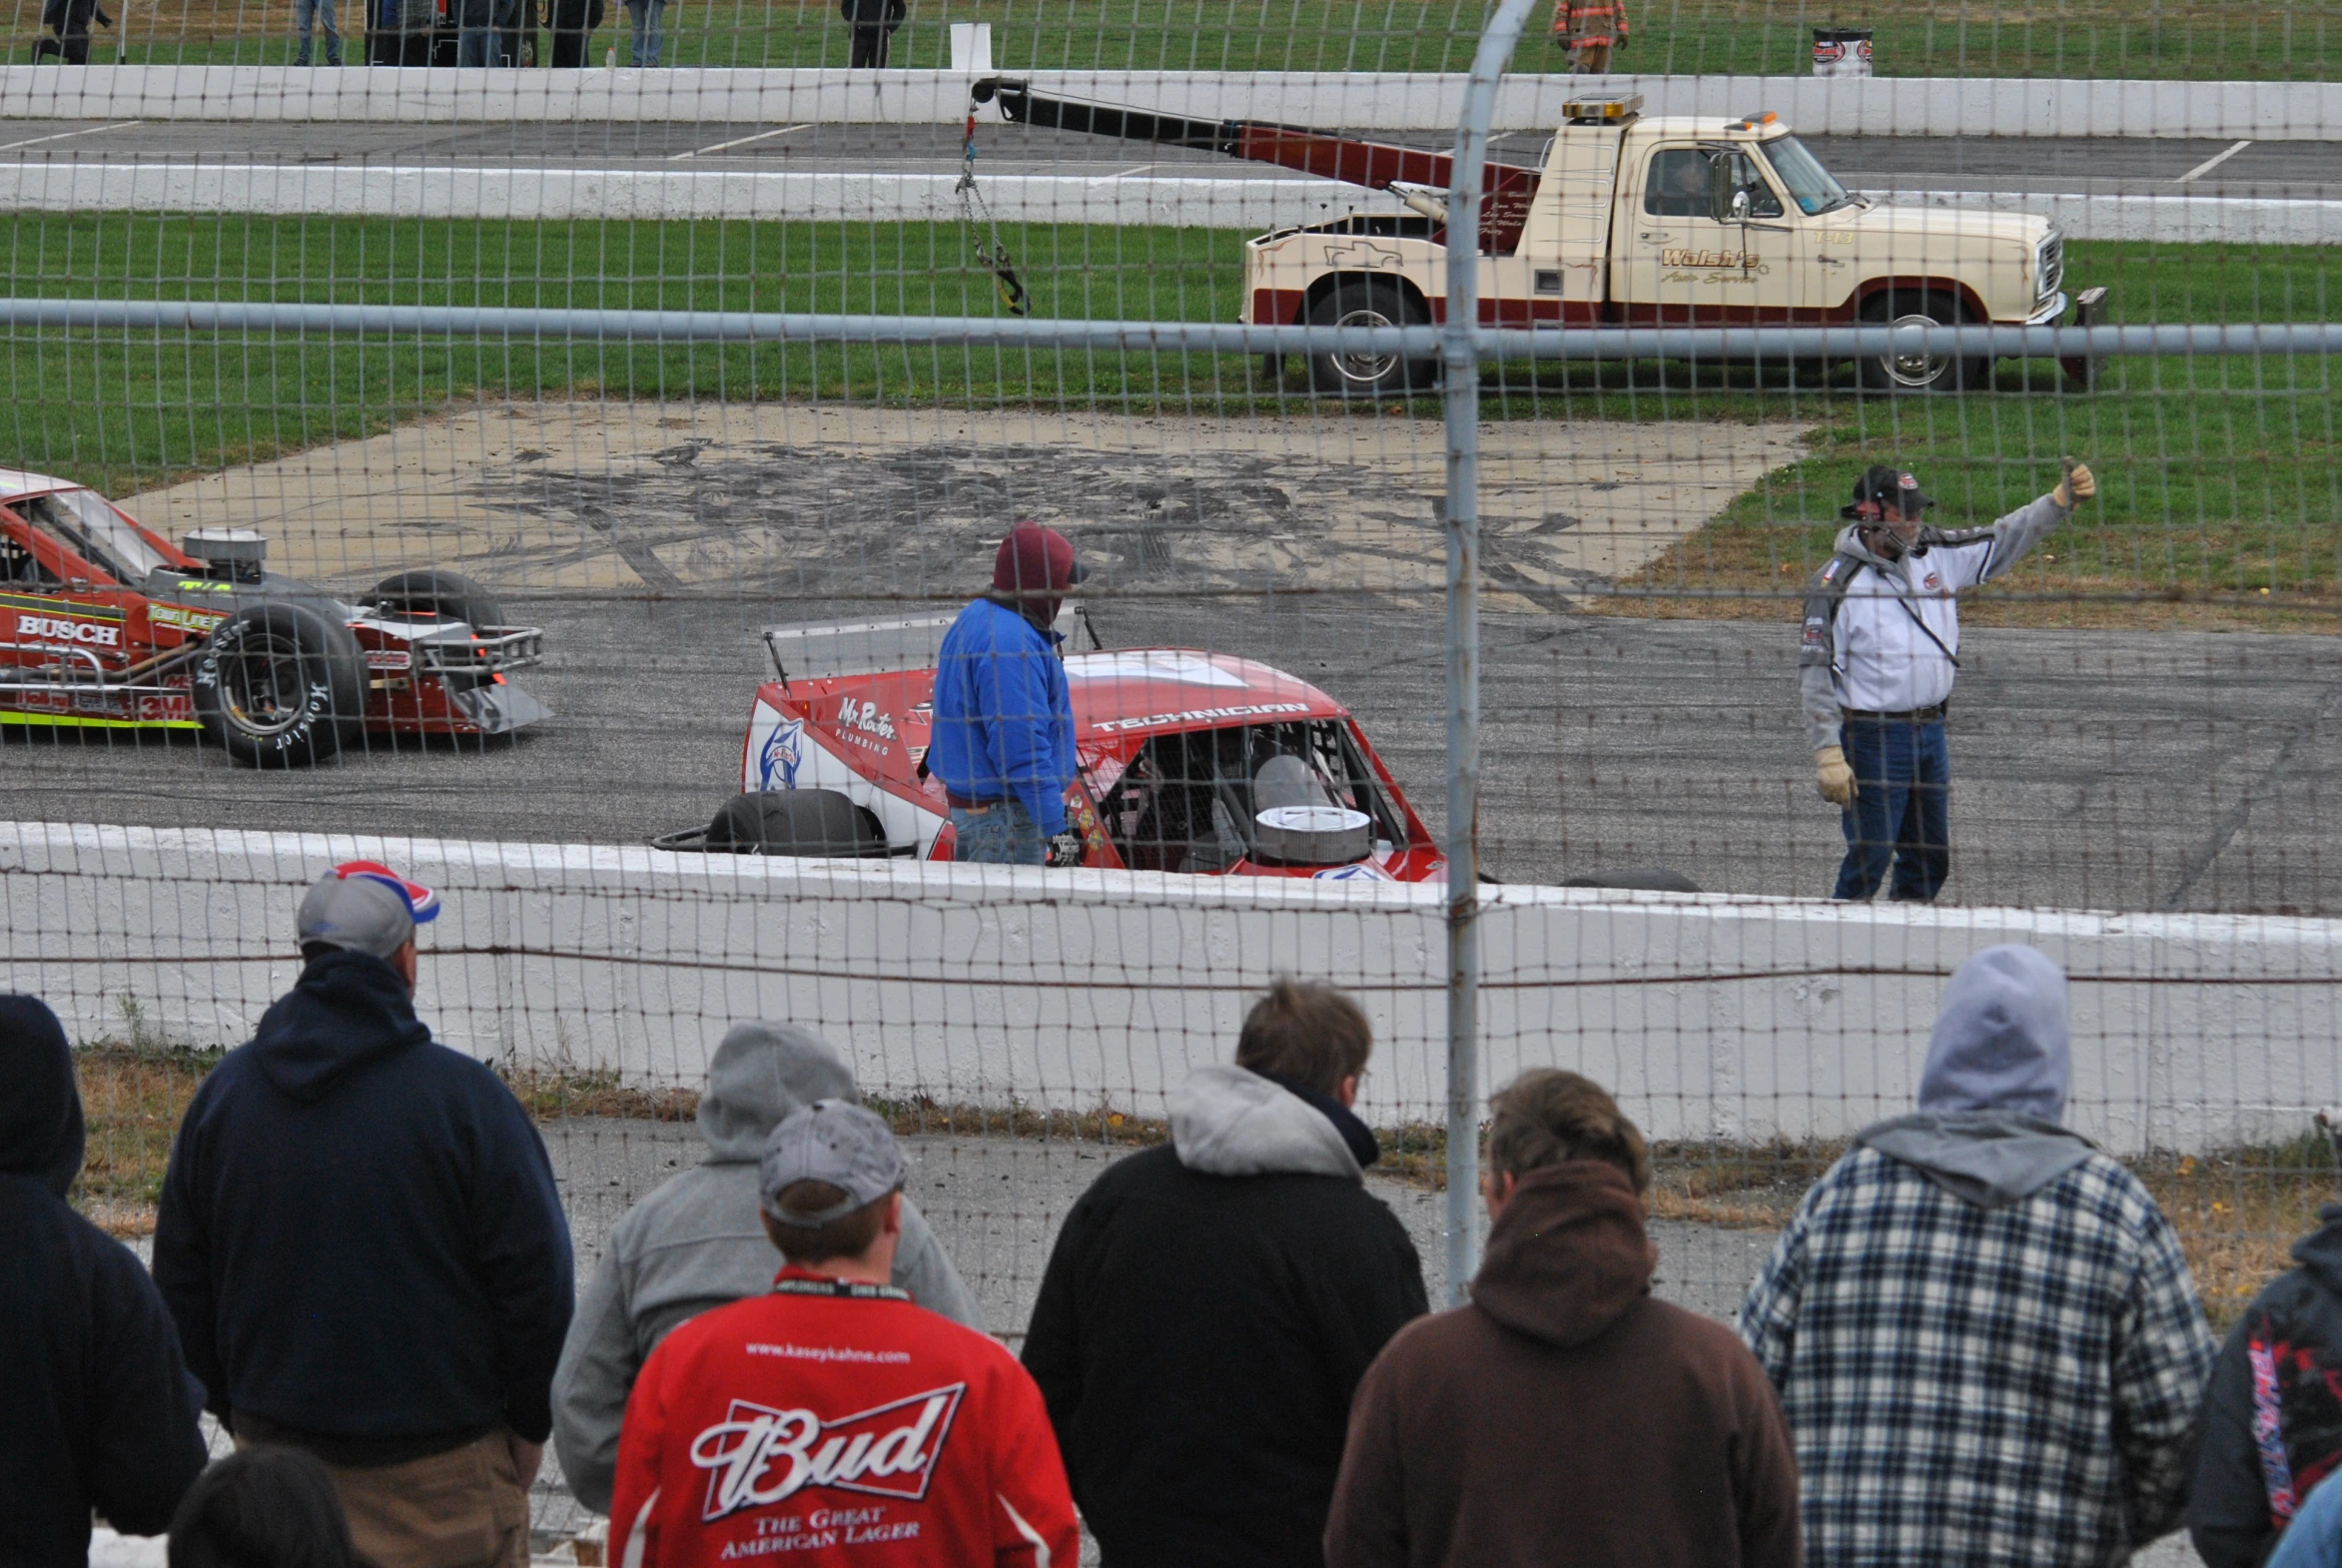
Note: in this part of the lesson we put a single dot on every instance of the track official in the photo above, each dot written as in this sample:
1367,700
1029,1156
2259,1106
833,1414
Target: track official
1880,649
1003,718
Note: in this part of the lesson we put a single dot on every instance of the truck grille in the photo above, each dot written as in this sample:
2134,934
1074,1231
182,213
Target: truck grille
2051,264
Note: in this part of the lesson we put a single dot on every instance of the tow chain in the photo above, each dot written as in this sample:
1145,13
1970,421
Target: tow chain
991,255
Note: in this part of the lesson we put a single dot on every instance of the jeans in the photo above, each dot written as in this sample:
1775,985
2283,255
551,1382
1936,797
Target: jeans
870,46
323,11
1902,811
644,14
1002,834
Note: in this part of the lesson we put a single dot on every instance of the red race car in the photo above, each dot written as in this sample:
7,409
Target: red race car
104,624
1188,762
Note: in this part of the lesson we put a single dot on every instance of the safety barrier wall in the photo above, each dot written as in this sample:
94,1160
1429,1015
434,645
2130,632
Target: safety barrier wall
1717,1018
378,191
1877,106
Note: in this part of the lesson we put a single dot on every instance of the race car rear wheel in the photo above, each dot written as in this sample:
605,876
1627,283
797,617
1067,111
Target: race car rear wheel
796,822
1928,372
1369,302
430,594
281,686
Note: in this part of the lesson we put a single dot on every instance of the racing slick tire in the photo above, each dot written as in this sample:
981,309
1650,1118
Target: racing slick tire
1932,373
796,822
1369,302
281,685
439,595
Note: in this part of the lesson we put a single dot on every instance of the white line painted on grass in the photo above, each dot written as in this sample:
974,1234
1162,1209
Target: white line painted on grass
66,136
2210,164
741,141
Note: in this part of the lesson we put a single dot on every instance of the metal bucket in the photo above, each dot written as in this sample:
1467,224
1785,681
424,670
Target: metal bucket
1842,51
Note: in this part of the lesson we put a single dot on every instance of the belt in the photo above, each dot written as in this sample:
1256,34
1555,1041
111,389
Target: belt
356,1454
963,803
1933,715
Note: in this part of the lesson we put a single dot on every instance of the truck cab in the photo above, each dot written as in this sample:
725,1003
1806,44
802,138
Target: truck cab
1672,221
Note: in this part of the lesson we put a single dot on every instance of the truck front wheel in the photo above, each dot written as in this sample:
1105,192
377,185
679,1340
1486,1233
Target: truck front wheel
1369,302
1920,373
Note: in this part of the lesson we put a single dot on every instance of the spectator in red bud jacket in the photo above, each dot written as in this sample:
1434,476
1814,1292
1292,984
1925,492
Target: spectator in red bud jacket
1565,1415
834,1420
1211,1305
363,1246
96,1407
2271,1428
1002,741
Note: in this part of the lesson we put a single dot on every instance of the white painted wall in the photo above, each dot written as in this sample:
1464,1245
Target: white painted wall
1712,1017
1877,106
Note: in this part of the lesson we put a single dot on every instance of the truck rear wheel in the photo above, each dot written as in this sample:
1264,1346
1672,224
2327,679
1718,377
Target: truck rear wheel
281,685
1369,302
1920,373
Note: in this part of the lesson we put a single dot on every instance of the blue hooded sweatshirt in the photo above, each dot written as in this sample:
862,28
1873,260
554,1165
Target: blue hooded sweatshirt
1003,718
96,1407
359,1234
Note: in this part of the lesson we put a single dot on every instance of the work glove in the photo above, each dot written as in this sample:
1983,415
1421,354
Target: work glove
2078,485
1833,777
1065,849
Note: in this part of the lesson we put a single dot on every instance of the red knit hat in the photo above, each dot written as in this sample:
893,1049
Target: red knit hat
1034,559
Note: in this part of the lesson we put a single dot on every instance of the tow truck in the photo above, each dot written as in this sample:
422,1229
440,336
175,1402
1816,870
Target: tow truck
1626,221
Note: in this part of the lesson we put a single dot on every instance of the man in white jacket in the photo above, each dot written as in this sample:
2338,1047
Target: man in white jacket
1880,648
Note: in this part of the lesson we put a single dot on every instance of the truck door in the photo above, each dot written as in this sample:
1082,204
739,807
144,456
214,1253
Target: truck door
1674,263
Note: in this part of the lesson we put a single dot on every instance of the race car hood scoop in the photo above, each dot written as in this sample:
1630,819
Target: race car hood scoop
1312,835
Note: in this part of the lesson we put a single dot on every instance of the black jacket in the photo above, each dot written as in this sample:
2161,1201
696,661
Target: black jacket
360,1236
1198,1335
2284,1360
96,1407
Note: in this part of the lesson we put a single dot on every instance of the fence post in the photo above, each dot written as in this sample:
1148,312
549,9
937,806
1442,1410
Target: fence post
1460,362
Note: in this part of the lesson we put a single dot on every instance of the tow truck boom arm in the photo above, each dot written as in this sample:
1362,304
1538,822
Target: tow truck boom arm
1505,192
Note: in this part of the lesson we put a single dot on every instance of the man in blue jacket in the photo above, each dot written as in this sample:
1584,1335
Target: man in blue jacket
361,1243
1002,741
96,1407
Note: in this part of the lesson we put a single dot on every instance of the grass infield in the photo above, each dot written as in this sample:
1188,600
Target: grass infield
2237,1213
2221,503
2171,39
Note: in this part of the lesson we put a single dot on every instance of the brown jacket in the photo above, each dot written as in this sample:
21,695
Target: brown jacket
1566,1416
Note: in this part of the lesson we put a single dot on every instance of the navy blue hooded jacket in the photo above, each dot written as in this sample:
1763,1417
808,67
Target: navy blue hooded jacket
359,1234
96,1407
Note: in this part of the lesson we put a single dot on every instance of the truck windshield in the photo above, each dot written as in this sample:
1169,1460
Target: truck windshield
1813,187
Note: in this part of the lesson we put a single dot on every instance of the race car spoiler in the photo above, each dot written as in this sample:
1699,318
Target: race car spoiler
821,650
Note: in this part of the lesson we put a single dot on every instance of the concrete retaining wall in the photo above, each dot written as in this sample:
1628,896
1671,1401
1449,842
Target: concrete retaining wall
1883,106
1714,1017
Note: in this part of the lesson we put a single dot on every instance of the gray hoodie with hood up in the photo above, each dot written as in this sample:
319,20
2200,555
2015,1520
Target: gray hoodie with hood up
698,1243
1991,1098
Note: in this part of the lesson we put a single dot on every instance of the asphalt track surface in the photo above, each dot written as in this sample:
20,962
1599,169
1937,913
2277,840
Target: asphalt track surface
2088,166
2093,769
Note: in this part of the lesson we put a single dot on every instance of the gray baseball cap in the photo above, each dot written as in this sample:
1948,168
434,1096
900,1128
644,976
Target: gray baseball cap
366,907
833,1141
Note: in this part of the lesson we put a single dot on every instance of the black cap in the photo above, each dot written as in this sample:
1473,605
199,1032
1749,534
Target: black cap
1882,491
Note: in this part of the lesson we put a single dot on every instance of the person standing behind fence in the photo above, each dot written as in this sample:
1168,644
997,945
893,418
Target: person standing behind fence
831,1419
96,1407
573,22
643,18
874,23
1589,30
1982,1330
2272,1422
311,14
1566,1415
1210,1305
361,1243
1879,649
1003,737
697,1243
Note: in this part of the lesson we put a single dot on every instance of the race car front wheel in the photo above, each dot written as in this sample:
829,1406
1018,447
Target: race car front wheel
796,822
430,594
281,686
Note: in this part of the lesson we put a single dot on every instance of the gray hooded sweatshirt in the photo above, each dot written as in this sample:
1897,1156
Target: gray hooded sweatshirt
698,1243
1992,1095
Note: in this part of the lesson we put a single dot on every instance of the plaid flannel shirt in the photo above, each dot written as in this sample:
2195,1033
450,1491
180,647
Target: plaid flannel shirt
1981,1386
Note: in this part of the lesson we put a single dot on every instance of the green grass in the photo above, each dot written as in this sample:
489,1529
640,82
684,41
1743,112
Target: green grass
2183,39
2221,475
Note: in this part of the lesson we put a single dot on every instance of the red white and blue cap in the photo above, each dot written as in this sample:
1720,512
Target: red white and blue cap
366,907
